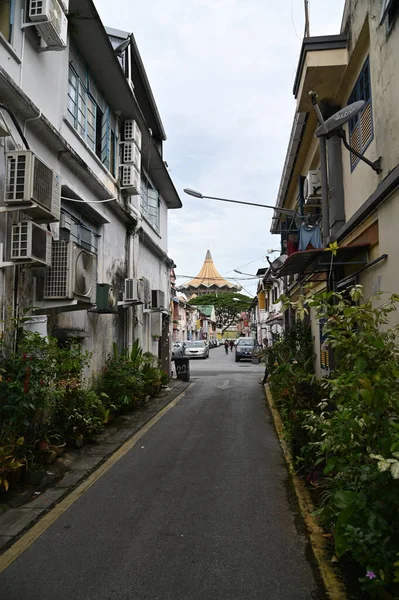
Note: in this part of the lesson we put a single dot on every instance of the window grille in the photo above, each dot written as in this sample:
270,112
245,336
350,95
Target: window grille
361,126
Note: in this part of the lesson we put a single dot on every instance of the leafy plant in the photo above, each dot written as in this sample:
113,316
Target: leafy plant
347,443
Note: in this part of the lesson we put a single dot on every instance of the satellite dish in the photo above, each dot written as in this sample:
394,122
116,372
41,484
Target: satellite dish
340,118
278,262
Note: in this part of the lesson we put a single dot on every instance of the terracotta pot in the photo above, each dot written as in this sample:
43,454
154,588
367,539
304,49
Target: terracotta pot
42,446
58,448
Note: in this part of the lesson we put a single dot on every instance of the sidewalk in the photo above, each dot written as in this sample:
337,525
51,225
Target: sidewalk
21,508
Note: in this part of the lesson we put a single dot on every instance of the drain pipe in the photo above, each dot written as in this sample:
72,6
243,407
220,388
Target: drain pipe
131,271
323,171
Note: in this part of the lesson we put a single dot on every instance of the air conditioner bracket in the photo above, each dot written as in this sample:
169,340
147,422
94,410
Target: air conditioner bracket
14,207
127,303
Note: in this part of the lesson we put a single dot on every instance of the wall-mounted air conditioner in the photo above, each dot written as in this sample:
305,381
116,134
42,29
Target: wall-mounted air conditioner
30,181
132,133
312,187
72,275
106,298
130,179
157,299
156,324
132,290
51,22
146,293
131,155
30,243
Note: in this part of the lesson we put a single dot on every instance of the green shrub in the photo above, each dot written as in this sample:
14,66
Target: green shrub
348,443
128,378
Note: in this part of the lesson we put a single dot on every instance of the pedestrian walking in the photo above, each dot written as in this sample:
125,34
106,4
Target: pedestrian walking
231,345
226,346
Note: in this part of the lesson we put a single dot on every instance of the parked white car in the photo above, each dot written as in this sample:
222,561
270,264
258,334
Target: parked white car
197,349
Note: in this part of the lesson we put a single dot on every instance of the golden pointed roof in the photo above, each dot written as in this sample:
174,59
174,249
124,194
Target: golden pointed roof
209,276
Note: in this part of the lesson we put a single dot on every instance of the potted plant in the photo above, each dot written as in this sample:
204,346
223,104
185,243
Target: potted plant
12,462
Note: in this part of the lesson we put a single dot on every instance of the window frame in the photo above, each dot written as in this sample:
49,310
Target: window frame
85,106
81,230
147,210
359,90
11,8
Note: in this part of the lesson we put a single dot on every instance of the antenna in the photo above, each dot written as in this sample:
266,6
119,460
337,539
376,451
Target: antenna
307,23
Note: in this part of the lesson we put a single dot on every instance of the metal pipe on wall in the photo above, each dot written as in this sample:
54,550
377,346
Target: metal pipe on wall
324,190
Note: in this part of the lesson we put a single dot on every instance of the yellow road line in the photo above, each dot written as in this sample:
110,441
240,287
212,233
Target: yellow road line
334,587
49,518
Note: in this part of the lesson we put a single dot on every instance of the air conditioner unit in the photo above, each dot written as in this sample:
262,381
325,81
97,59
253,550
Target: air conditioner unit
51,22
106,298
30,243
156,324
29,180
312,186
72,274
157,299
131,293
131,155
132,133
130,179
146,286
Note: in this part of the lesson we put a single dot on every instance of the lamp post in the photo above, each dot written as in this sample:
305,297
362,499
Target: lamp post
195,194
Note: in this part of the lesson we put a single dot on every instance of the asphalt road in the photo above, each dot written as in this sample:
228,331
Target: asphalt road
200,508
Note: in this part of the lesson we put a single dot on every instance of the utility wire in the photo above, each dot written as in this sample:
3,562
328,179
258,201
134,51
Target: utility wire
246,264
17,125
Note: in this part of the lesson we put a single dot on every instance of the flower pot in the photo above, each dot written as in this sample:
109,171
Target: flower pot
50,456
58,448
14,476
42,446
34,477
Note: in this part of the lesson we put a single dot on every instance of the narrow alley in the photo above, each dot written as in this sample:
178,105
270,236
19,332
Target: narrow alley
201,507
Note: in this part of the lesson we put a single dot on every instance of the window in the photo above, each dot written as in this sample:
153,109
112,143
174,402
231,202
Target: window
78,228
390,10
149,199
361,127
89,114
6,18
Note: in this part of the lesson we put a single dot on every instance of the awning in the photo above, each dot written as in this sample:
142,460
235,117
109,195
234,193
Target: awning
276,318
319,261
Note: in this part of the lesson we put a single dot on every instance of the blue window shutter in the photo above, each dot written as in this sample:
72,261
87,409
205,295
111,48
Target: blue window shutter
106,139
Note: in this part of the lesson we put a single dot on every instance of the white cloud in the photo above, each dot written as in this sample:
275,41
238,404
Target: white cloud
222,73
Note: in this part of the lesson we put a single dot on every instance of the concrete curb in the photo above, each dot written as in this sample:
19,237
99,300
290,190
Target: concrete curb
333,584
15,522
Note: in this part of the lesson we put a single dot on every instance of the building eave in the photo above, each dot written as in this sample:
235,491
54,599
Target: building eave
91,38
317,43
294,145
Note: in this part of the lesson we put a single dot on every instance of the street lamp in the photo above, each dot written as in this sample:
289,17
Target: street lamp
285,211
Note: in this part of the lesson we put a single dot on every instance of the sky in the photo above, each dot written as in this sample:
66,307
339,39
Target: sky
222,73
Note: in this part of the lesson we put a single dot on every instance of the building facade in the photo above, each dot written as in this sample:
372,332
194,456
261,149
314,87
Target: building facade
359,210
83,231
267,315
